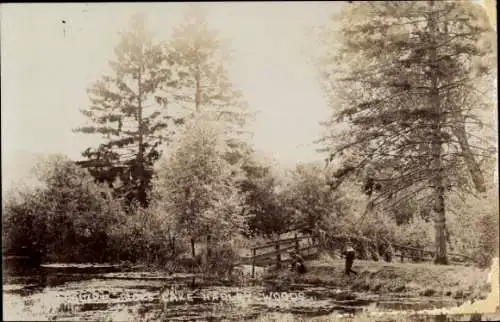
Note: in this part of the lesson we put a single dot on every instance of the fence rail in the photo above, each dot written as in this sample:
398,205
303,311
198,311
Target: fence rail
281,241
420,253
281,246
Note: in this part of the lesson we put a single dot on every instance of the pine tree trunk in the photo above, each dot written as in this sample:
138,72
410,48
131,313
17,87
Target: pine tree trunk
440,226
439,203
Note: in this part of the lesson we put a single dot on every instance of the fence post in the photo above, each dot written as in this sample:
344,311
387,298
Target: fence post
296,243
278,255
402,255
253,262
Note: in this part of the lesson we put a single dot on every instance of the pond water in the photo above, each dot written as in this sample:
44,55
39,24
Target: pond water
104,293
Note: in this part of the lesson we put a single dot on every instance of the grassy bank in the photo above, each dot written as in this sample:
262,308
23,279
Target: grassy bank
414,279
365,317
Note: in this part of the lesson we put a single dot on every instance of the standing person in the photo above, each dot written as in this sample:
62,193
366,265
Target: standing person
349,253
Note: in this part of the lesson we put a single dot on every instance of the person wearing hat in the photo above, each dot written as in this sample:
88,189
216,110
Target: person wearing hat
349,253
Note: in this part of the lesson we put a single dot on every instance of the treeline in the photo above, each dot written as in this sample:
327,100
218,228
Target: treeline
200,199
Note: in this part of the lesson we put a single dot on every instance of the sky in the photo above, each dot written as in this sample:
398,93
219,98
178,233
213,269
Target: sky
51,53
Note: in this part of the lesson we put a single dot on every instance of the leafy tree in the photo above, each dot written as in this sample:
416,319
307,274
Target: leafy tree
310,197
198,186
202,84
264,204
128,111
23,226
66,218
407,88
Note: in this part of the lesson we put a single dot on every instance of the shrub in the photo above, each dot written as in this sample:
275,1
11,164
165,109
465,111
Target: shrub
488,239
473,226
64,219
223,257
140,236
417,233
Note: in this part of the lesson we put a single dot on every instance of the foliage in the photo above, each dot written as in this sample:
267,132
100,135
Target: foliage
128,111
70,217
199,187
66,219
404,79
474,226
264,205
201,82
129,108
417,233
309,196
408,84
142,236
388,126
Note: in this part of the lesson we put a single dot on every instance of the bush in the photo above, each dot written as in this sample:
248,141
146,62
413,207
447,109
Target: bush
417,233
23,227
488,239
65,219
141,236
223,257
473,226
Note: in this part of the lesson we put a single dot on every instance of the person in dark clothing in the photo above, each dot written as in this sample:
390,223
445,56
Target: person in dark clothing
349,254
298,263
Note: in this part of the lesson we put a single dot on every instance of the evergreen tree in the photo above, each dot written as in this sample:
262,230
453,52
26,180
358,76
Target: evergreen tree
407,87
202,84
129,113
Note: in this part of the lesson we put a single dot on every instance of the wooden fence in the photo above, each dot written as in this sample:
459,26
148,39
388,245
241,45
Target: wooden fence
271,253
420,254
402,252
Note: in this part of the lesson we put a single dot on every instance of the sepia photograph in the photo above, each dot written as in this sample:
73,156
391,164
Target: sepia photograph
250,161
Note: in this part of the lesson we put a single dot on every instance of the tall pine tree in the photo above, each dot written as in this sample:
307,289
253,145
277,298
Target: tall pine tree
128,112
202,84
405,80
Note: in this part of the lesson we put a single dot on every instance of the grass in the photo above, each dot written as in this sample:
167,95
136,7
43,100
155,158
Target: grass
416,279
366,317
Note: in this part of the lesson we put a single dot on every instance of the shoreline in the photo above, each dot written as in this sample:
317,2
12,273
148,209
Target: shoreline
459,283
